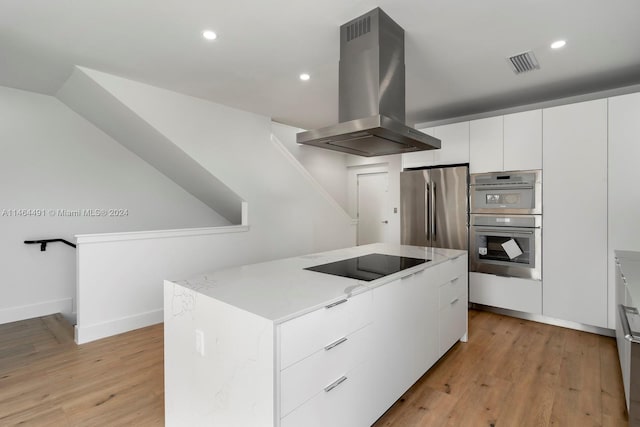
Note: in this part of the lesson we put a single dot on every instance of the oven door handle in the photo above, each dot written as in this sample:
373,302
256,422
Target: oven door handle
481,187
502,231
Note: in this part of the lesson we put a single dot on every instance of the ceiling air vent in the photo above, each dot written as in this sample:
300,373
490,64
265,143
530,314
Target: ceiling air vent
523,62
358,28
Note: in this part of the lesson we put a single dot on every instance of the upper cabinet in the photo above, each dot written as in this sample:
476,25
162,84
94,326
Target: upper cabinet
486,145
455,144
523,141
506,143
455,147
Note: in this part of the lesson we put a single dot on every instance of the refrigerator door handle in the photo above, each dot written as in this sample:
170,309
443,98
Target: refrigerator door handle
435,212
427,217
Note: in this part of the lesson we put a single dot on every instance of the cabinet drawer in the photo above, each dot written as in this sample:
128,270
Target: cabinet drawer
307,334
348,404
511,293
308,377
455,289
451,269
453,323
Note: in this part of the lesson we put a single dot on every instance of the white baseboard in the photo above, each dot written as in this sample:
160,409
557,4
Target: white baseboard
14,314
88,333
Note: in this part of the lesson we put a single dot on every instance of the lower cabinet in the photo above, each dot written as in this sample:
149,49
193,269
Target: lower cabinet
417,319
346,402
406,330
401,329
512,293
310,376
453,311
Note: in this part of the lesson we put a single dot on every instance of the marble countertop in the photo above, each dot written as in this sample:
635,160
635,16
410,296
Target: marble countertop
281,290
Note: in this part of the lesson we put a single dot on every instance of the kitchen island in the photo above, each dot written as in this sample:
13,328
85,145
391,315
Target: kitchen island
273,344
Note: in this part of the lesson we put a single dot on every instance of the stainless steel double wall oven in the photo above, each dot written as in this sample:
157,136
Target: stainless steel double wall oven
506,224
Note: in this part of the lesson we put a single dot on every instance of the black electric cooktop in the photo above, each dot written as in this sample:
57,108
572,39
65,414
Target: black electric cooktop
368,267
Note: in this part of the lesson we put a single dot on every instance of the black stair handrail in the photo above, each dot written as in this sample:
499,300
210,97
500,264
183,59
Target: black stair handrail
43,243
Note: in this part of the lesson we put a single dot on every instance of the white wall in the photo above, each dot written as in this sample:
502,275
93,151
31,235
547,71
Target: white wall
91,101
285,211
328,168
287,214
53,159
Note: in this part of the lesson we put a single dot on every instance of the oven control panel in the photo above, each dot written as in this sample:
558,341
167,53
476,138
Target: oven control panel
503,199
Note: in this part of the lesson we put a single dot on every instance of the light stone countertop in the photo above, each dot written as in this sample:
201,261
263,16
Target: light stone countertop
281,290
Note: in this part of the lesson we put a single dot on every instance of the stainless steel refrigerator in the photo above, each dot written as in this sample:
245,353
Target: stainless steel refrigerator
434,207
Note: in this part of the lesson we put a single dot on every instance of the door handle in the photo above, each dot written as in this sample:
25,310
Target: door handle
435,212
385,222
427,217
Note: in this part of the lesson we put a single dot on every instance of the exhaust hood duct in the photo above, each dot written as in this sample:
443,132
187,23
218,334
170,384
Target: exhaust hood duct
371,93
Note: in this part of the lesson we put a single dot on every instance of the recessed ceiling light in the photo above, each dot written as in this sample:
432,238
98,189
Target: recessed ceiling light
558,44
209,35
304,77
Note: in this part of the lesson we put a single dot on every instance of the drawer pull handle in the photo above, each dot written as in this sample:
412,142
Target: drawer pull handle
342,301
454,279
454,301
335,343
335,384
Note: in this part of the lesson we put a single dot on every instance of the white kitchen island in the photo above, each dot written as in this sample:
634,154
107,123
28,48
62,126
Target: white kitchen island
272,344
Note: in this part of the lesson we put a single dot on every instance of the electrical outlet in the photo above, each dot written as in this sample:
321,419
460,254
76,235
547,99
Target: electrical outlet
200,342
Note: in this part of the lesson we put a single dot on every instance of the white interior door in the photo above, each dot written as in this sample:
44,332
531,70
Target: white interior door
373,207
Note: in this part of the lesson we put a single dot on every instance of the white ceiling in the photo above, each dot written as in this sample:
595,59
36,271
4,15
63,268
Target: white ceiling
455,50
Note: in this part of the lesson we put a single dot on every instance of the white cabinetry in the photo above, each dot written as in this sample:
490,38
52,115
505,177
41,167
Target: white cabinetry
452,303
575,212
416,320
323,348
506,143
329,325
329,381
512,293
455,147
402,330
624,177
486,145
455,144
523,141
348,404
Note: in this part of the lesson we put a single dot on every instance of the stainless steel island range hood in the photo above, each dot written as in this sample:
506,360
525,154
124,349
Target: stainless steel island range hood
371,93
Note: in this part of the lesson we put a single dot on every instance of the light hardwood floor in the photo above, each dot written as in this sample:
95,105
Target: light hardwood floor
511,373
514,372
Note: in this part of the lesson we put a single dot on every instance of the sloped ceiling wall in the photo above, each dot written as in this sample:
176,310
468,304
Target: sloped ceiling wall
92,101
220,154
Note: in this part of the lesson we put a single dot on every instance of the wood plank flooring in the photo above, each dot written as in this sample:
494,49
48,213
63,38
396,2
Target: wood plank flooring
514,372
47,380
511,373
